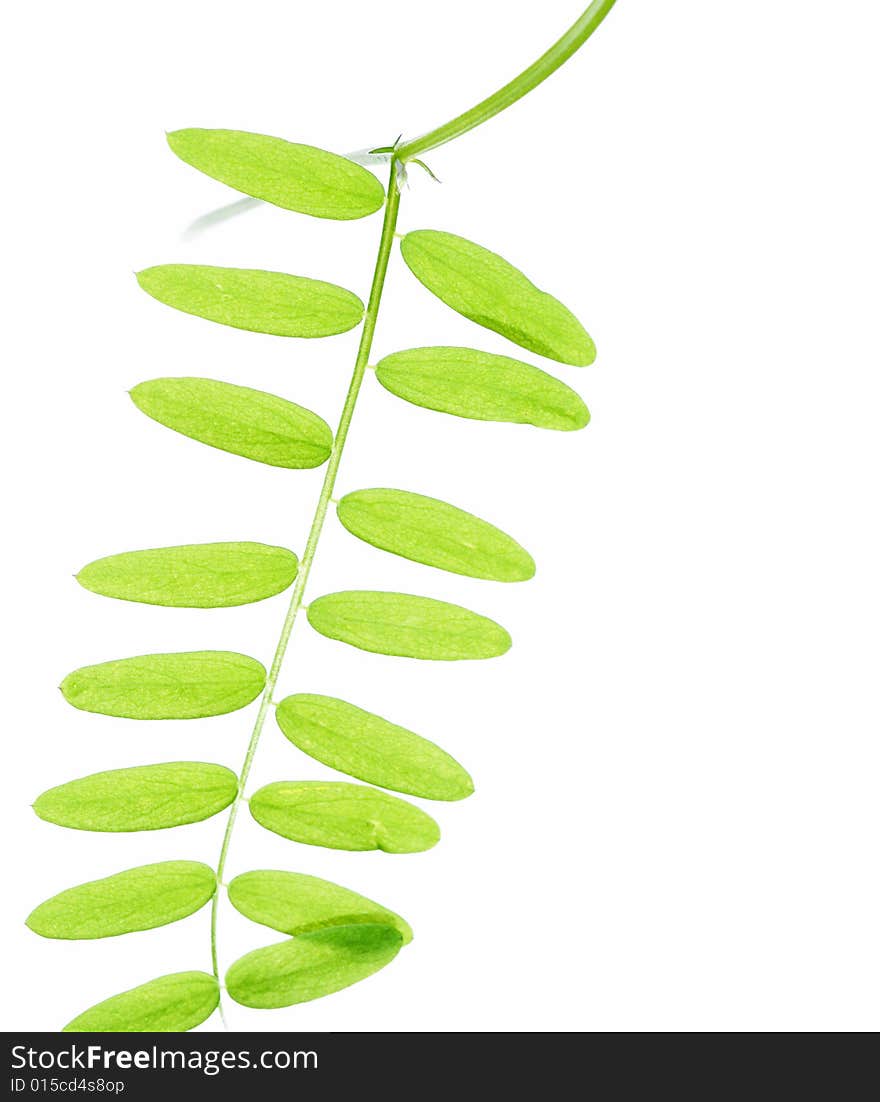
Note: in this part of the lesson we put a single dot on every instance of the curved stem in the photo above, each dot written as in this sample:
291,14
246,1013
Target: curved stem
520,86
392,207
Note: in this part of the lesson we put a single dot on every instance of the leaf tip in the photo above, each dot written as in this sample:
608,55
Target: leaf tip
175,137
587,356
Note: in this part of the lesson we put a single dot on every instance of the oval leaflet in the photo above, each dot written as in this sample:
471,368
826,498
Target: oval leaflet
296,177
370,748
236,419
137,899
169,1004
294,903
145,797
261,302
434,533
196,575
482,387
312,965
407,626
188,685
343,816
488,290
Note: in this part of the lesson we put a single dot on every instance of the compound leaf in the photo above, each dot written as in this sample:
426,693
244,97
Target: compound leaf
343,816
488,290
370,748
145,797
195,575
294,903
406,625
187,685
137,899
169,1004
312,965
236,419
434,533
261,302
482,387
295,177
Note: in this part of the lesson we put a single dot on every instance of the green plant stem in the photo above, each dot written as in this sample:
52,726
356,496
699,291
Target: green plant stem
520,86
392,207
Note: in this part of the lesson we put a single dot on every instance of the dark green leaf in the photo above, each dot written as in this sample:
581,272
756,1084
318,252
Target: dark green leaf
236,419
370,748
312,965
261,302
296,177
487,289
406,625
343,816
137,899
195,575
146,797
169,1004
434,533
483,387
294,903
189,685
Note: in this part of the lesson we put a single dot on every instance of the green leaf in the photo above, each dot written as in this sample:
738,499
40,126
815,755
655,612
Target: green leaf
236,419
261,302
294,903
370,748
195,575
434,533
137,899
312,965
295,177
188,685
343,816
146,797
169,1004
483,387
406,625
488,290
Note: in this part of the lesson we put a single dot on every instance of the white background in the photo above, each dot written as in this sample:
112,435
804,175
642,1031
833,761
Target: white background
675,823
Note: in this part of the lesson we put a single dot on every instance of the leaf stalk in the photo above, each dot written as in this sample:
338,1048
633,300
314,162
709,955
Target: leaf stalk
399,155
386,241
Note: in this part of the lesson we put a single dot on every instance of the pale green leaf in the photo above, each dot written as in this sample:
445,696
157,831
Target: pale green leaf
483,387
145,797
343,816
188,685
196,575
169,1004
312,965
295,177
294,903
487,289
261,302
407,625
137,899
434,533
370,748
236,419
